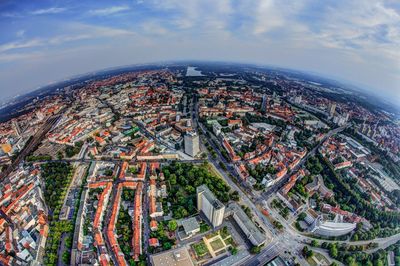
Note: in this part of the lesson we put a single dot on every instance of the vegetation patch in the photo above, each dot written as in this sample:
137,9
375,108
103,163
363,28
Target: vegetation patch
200,248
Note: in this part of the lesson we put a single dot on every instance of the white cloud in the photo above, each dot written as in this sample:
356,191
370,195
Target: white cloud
83,32
51,10
267,17
19,45
108,11
20,33
154,28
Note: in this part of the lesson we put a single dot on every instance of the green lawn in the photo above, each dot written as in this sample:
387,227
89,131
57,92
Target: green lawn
230,241
217,244
319,257
200,248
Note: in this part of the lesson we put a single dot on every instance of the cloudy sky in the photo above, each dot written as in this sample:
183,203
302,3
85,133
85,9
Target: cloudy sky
46,41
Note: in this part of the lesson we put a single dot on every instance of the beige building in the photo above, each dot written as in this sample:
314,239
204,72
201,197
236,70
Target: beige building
212,208
192,146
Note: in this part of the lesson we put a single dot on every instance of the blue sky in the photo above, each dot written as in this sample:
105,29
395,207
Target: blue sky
354,40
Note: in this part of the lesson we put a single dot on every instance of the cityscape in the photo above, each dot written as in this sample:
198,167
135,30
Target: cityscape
200,164
200,133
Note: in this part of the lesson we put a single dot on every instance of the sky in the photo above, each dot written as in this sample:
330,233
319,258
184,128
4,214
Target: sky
350,40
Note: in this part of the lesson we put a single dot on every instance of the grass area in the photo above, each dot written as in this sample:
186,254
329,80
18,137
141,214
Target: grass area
230,241
200,248
319,257
311,261
217,244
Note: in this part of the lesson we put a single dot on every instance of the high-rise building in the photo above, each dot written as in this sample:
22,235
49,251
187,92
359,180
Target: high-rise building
264,103
191,140
331,109
212,208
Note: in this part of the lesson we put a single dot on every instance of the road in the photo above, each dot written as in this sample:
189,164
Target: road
146,223
115,160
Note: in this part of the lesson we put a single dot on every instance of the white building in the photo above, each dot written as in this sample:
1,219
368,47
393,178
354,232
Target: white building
332,228
212,208
192,143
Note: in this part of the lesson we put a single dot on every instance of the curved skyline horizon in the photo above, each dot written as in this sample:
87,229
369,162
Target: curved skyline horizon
349,41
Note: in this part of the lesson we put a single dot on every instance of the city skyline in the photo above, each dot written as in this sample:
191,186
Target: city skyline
199,164
354,41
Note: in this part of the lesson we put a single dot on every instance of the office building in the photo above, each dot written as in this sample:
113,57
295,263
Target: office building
212,208
264,103
335,227
192,143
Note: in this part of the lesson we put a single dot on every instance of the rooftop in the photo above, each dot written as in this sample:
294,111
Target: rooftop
174,257
210,196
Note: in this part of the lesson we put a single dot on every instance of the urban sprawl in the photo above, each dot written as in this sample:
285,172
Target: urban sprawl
184,165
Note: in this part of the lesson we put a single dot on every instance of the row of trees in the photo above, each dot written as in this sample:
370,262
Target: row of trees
56,177
351,255
58,229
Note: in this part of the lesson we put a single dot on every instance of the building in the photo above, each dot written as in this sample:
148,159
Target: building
17,128
191,226
192,143
254,235
331,109
177,257
390,258
264,103
217,128
335,227
212,208
297,99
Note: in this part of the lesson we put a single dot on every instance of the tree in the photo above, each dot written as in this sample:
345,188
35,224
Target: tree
302,216
234,195
304,251
167,245
172,225
65,257
234,250
333,251
255,250
314,243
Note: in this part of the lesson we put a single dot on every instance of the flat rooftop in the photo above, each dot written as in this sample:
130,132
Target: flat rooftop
253,230
174,257
210,196
190,225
